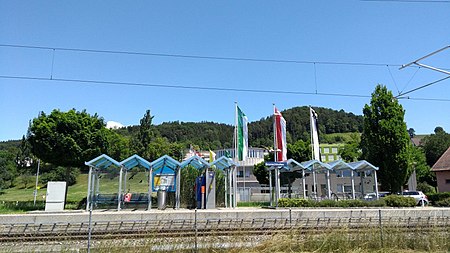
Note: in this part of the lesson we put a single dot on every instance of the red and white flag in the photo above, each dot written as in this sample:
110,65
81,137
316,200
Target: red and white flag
280,136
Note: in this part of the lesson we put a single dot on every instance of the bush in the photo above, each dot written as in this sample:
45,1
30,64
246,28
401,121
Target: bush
252,204
25,206
443,203
327,203
285,202
426,188
376,203
399,201
60,174
436,197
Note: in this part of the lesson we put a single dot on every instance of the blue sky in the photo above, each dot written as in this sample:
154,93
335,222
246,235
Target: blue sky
316,31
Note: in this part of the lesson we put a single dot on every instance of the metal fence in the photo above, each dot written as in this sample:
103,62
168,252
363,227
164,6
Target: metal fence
223,224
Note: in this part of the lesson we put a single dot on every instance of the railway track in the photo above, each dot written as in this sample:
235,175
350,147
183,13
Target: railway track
108,230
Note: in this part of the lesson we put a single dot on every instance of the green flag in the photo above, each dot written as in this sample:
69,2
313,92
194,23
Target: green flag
242,135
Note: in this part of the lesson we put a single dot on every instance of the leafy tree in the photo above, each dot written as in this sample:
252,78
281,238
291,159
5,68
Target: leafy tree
161,146
7,169
385,141
67,138
118,146
435,145
299,151
25,162
411,132
59,173
145,135
423,171
350,152
24,157
286,178
260,172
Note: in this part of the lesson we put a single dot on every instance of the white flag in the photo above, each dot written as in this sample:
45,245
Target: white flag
314,134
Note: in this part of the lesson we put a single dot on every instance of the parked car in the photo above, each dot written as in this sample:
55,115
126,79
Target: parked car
420,197
372,195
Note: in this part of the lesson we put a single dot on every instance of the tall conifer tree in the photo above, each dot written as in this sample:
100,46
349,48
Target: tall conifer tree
385,139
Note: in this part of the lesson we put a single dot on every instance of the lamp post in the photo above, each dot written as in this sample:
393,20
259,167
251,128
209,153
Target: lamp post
36,186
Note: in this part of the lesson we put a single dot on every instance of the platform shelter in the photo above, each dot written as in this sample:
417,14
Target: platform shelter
362,168
163,173
96,166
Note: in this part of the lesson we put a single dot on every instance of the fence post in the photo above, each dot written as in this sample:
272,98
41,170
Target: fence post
290,217
381,228
89,228
196,230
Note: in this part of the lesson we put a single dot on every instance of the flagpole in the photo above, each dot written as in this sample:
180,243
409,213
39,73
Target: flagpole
235,151
277,181
312,153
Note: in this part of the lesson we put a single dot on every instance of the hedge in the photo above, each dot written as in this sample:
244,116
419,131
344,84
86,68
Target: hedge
391,200
437,197
399,201
285,202
443,203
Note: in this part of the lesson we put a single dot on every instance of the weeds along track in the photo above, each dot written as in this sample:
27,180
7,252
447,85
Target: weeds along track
185,228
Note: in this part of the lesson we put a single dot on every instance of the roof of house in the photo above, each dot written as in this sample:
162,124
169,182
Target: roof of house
416,141
443,164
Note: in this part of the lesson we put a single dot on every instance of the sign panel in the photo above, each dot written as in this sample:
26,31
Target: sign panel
276,164
164,182
56,192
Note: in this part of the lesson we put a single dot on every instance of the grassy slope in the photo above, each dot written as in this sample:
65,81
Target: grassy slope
78,191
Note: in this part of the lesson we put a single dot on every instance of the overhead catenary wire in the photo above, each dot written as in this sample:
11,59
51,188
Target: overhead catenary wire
191,87
412,77
173,86
393,79
423,86
409,1
54,49
205,57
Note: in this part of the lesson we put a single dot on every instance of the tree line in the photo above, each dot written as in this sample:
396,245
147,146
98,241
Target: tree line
63,141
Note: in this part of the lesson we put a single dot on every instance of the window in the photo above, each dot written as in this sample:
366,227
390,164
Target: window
447,181
240,173
326,150
330,158
344,173
265,190
347,188
323,158
334,150
340,188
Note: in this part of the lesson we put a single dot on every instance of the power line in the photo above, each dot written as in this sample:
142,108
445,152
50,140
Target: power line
172,86
53,49
204,57
409,1
427,99
423,86
181,86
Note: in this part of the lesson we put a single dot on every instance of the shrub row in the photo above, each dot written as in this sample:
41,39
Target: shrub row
25,206
442,203
391,200
440,197
399,201
329,203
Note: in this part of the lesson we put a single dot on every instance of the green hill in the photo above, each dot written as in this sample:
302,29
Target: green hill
211,135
